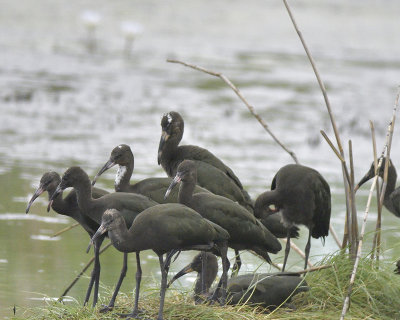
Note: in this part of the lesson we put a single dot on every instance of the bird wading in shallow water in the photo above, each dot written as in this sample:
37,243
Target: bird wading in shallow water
212,173
303,197
166,228
154,188
68,206
129,204
391,200
246,232
269,290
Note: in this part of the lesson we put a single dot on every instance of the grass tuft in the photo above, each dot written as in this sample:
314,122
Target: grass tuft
375,295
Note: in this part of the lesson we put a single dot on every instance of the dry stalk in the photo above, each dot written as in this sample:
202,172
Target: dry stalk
377,236
81,273
354,224
65,230
387,146
241,97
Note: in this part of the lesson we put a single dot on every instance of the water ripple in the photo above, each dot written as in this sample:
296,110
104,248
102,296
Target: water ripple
34,217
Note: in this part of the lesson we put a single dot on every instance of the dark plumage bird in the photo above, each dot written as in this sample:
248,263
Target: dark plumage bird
273,222
269,290
212,173
247,233
165,228
391,199
303,196
68,206
154,188
129,204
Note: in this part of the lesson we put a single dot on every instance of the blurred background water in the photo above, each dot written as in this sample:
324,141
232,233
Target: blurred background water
78,78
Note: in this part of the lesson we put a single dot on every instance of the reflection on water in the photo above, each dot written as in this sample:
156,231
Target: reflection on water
62,105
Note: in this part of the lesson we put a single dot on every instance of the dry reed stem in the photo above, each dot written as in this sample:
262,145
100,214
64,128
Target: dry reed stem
377,236
387,146
241,97
82,272
354,223
65,230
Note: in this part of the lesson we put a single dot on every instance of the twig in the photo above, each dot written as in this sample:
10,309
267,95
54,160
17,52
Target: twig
386,147
326,266
82,272
299,251
239,94
65,230
354,224
379,205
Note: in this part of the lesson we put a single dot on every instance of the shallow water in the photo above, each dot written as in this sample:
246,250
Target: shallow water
64,105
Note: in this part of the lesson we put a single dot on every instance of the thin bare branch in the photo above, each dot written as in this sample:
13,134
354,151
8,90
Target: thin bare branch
65,230
241,97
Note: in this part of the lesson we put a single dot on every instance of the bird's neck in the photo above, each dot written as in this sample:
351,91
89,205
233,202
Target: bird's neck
185,195
168,155
123,177
83,191
264,200
58,204
391,184
122,239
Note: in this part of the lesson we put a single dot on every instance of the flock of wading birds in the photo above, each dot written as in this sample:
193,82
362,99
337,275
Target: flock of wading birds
210,212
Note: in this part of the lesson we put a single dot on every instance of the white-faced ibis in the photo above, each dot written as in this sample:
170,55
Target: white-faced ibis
165,228
247,233
129,204
268,290
212,173
68,206
154,188
303,196
391,199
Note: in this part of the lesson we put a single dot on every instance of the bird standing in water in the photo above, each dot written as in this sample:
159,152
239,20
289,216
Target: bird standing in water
68,206
303,196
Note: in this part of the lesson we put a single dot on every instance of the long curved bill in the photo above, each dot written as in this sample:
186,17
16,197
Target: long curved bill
174,182
37,193
163,139
53,196
101,230
109,164
181,273
362,181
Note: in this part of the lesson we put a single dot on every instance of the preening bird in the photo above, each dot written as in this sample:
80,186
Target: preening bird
303,196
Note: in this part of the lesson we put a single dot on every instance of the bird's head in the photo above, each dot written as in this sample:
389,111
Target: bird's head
172,127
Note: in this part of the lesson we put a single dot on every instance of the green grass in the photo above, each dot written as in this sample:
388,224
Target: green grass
375,295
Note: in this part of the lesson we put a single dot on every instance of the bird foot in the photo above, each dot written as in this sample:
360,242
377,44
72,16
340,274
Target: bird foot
105,308
132,315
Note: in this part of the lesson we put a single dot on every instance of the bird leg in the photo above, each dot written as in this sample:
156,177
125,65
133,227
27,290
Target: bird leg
164,266
96,268
287,249
307,249
224,277
237,265
110,305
